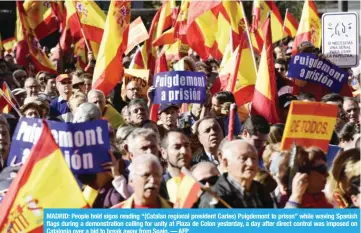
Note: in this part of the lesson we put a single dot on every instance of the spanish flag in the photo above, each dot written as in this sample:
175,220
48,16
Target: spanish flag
22,209
80,51
7,92
41,17
188,192
265,100
309,28
140,59
109,69
9,43
28,48
167,17
290,24
85,14
259,13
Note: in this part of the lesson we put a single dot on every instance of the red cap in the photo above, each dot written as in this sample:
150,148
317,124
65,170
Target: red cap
62,77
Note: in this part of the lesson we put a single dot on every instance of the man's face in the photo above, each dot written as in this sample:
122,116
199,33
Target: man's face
51,85
20,76
98,100
138,113
144,145
64,87
88,85
210,134
279,52
256,140
4,141
216,106
32,88
41,79
31,113
133,90
244,162
352,110
281,69
169,117
178,152
146,181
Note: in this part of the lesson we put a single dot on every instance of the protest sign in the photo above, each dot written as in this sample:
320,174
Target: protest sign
340,38
180,87
140,76
309,124
309,67
85,146
137,34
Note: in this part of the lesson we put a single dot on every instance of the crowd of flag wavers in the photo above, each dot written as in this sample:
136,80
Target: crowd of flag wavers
223,152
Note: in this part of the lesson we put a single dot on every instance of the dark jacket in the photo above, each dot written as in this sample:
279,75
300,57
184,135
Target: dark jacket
107,197
199,158
225,190
163,192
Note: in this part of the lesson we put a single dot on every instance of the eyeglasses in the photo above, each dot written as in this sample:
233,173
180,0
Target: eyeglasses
280,69
323,169
210,180
133,89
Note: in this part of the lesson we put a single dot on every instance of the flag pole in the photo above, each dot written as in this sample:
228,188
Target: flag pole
81,29
11,103
249,39
12,96
205,188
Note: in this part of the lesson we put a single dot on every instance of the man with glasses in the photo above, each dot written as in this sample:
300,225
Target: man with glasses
145,178
32,87
59,106
281,67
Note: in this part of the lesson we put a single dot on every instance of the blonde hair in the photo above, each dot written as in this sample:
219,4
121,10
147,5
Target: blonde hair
345,166
77,96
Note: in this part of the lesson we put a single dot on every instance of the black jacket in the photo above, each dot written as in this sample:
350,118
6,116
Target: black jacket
225,190
200,158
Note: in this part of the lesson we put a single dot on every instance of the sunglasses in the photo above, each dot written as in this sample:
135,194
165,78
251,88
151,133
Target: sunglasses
210,180
323,169
281,69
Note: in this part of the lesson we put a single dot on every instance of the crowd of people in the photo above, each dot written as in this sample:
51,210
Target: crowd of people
249,171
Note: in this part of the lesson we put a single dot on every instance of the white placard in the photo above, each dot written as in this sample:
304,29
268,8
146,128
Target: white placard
340,38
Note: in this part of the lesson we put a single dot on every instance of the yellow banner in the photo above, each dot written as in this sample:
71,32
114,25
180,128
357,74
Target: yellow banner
309,124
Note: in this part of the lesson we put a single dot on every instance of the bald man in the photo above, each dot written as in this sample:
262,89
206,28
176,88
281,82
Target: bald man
237,187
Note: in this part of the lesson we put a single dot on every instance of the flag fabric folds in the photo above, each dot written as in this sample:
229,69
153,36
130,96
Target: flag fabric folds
41,17
265,99
28,48
22,209
109,69
188,193
309,28
290,24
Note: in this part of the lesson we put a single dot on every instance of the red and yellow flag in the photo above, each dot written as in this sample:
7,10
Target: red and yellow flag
109,69
265,98
80,51
28,48
259,13
85,14
22,209
41,18
188,192
9,43
309,28
290,24
8,94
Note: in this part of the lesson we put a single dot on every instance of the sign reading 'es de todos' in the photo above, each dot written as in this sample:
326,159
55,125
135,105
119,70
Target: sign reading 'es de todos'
180,87
309,67
85,145
309,124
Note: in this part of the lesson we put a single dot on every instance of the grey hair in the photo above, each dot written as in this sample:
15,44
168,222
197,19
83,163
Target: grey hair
137,102
228,146
86,112
140,132
93,92
141,159
122,135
